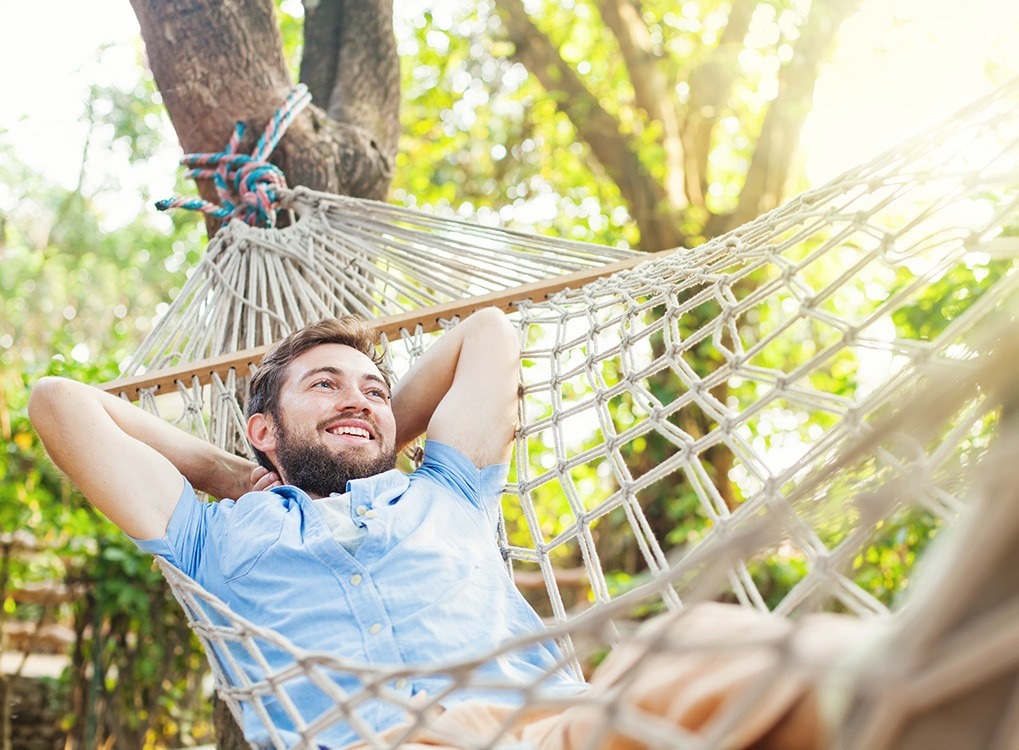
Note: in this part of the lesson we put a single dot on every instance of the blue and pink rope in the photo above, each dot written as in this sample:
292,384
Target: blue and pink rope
248,186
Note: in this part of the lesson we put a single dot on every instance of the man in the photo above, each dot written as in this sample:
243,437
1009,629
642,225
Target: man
329,545
317,564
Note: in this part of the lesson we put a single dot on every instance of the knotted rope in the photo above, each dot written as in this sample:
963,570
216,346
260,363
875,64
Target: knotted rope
249,187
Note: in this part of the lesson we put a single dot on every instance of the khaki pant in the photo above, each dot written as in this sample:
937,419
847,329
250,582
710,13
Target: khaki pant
731,677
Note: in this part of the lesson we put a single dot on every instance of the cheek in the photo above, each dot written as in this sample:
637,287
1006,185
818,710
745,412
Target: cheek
388,425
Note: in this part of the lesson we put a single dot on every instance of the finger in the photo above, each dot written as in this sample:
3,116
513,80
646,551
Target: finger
269,480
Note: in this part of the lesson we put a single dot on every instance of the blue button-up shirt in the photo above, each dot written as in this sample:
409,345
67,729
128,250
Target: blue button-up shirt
426,586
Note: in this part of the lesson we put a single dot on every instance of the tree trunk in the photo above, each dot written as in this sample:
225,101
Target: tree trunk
217,62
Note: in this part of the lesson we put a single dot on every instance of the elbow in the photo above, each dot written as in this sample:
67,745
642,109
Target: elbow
491,317
49,397
41,405
495,326
43,394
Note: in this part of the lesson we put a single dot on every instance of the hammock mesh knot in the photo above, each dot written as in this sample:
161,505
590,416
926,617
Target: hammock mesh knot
249,188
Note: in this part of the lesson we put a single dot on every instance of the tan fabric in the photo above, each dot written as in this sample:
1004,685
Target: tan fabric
718,671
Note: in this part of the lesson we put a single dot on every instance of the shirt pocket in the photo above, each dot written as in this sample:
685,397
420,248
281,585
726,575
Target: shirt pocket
253,529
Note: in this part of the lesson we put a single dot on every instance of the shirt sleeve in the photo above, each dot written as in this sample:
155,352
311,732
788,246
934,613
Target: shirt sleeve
450,468
184,540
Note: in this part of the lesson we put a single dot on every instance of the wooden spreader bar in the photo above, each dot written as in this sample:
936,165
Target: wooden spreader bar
390,325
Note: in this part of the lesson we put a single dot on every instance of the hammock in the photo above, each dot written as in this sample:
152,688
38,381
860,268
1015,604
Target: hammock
771,369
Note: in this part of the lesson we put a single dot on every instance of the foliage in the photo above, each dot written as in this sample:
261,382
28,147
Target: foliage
80,294
481,138
687,91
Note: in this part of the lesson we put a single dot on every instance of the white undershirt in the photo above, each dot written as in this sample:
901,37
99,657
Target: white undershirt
336,511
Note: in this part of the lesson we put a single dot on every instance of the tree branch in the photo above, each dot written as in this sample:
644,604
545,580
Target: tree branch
321,51
710,88
646,197
652,89
766,180
356,38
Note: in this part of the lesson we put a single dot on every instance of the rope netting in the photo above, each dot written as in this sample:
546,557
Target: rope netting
345,255
735,422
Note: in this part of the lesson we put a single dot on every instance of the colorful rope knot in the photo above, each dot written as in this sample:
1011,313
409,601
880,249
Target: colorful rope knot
248,186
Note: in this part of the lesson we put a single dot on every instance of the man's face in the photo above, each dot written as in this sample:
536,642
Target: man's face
335,421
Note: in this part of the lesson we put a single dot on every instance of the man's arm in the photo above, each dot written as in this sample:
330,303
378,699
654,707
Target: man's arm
126,462
463,390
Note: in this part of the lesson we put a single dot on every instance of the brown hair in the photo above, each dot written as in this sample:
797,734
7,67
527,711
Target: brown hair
266,383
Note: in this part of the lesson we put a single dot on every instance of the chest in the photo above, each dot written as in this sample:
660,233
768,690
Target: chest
425,528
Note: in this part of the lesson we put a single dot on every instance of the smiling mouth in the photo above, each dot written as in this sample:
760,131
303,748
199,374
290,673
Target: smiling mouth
358,432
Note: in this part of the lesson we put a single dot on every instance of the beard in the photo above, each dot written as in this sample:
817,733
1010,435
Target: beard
320,471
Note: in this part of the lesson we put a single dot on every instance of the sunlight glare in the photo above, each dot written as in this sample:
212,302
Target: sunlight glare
902,66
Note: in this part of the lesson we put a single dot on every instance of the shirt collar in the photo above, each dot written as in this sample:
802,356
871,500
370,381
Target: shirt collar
377,490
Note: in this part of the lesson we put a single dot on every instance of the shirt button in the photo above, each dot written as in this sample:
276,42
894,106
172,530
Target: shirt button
355,580
371,514
375,629
360,510
401,683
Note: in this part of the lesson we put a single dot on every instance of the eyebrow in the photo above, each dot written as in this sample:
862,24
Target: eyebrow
366,377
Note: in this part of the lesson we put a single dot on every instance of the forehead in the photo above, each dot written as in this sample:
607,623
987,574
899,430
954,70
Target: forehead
346,359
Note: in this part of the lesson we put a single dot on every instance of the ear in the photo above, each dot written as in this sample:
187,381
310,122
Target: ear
261,432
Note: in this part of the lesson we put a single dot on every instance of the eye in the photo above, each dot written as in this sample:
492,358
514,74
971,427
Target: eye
378,393
324,383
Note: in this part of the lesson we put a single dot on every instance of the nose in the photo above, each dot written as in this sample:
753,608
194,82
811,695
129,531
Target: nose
350,398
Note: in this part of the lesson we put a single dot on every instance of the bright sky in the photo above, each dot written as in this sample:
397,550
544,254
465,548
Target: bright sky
49,55
901,65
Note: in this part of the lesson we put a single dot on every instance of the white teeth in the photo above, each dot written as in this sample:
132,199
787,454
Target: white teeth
357,431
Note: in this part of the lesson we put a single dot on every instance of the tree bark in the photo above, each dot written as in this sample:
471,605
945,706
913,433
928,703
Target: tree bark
217,62
363,86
